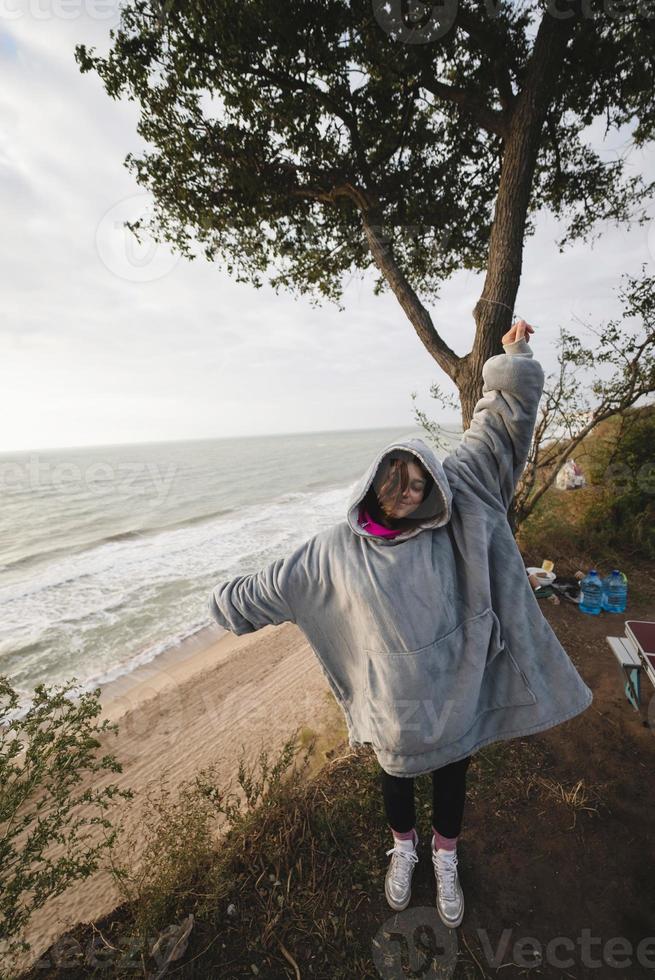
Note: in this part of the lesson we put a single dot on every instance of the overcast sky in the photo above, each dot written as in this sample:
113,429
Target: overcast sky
104,341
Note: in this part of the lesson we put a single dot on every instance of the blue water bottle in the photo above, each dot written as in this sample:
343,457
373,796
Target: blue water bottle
591,588
616,596
605,584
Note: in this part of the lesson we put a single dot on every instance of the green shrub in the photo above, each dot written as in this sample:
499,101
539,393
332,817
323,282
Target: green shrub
625,513
43,757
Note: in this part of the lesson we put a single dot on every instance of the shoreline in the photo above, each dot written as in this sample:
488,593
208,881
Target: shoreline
174,665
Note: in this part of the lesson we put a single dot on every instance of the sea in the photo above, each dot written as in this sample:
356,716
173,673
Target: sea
108,555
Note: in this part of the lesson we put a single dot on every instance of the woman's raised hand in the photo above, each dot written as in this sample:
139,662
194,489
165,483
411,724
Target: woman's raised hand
517,331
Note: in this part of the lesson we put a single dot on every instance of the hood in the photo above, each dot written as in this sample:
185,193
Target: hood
435,509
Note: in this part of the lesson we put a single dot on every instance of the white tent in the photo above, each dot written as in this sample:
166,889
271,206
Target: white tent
570,476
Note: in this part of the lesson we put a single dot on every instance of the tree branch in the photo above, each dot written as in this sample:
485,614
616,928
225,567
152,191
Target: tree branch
421,320
326,99
494,122
635,378
383,156
484,40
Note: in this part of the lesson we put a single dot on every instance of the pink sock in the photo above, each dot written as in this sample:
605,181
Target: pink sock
407,835
445,843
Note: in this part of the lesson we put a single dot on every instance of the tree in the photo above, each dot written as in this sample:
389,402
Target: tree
43,757
324,135
567,415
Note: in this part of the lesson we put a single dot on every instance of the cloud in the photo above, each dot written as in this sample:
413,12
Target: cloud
93,354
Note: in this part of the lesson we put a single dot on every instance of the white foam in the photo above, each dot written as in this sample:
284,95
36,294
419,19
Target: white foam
94,614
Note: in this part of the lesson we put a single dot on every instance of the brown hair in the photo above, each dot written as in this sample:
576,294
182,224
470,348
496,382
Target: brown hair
380,505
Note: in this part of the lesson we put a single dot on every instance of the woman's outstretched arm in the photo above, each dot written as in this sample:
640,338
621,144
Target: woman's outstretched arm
247,603
493,451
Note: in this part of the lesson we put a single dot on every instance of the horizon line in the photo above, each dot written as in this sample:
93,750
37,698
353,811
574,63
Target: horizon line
163,442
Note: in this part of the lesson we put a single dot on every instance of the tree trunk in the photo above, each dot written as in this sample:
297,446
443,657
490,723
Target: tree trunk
493,311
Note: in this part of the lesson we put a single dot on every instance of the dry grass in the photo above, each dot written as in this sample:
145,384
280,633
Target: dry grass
284,884
576,797
294,887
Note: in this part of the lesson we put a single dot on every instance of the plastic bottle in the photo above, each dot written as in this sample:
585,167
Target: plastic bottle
616,592
604,591
591,588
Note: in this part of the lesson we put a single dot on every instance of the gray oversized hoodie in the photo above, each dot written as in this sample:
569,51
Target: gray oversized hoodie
433,641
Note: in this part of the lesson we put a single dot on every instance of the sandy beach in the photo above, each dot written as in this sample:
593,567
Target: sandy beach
210,701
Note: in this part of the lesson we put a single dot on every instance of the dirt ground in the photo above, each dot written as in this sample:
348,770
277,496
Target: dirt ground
579,878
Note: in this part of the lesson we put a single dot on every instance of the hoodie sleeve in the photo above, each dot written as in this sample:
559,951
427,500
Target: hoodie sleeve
494,449
249,602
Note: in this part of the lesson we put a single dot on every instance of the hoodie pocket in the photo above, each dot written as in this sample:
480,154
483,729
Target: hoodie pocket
421,699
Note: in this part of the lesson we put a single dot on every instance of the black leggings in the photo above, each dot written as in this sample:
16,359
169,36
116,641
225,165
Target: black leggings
448,796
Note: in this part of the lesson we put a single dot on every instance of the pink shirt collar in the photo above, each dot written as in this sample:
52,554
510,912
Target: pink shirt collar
367,522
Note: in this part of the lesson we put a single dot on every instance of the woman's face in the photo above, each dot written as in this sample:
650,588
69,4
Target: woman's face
413,495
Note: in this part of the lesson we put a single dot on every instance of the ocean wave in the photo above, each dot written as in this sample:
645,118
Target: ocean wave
36,558
120,592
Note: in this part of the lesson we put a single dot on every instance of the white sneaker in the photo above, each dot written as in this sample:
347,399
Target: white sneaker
398,882
450,897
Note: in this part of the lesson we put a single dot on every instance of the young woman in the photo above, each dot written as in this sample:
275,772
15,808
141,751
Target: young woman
421,615
401,485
